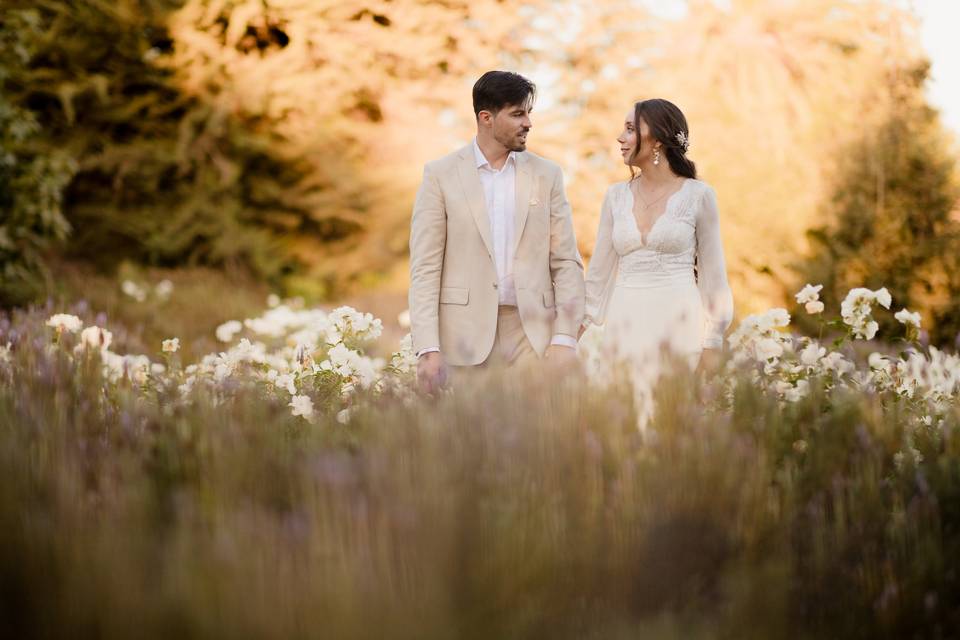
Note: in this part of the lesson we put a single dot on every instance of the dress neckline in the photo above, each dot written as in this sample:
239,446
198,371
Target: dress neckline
666,210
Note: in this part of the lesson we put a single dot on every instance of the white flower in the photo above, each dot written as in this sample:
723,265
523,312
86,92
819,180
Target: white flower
221,371
814,307
778,317
171,346
343,416
273,300
286,381
792,393
134,290
878,361
301,406
163,289
909,318
809,294
768,348
113,364
65,322
882,296
5,352
811,354
95,338
834,361
856,304
226,330
137,368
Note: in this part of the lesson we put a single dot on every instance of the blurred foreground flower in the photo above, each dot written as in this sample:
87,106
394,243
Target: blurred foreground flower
906,317
134,290
95,338
163,289
65,322
301,406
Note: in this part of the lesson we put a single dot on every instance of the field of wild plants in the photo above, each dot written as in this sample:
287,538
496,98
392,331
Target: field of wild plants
292,486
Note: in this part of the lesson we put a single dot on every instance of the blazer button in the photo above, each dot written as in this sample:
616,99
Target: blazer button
494,285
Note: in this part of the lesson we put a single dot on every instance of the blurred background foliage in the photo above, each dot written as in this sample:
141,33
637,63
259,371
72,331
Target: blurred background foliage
286,138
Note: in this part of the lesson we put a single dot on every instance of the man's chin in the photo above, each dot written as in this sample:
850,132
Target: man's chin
519,146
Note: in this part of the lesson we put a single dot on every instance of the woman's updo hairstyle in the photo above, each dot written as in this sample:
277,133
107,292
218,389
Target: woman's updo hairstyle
669,126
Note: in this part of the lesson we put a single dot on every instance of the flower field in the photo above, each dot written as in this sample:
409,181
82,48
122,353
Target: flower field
292,485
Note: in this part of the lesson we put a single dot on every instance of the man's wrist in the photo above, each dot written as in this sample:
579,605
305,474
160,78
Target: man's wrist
427,350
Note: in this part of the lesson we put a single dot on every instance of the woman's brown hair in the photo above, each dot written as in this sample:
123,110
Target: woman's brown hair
668,125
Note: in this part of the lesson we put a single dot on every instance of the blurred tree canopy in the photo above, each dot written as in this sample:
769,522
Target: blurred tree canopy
32,176
893,219
247,132
288,136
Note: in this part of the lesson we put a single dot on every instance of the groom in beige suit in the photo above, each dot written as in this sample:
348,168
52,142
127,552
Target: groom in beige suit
495,275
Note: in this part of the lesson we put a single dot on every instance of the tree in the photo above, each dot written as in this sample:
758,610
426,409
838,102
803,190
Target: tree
284,136
893,219
32,178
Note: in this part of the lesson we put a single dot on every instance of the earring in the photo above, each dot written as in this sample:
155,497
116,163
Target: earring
656,156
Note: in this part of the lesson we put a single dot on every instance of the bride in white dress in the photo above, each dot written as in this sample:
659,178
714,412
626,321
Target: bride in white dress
657,280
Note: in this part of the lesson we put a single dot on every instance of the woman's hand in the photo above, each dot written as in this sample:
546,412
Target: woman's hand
709,362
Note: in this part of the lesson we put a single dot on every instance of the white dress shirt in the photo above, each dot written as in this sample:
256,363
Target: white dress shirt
499,193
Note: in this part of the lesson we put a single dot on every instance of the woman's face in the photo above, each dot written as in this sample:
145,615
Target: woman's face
628,139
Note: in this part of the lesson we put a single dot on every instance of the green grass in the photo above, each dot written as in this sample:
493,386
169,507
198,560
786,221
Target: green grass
521,507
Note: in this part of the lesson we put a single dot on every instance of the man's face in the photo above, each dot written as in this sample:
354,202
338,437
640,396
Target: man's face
510,127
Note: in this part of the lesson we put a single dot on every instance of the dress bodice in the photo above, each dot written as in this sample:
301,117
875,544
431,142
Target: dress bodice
682,248
668,252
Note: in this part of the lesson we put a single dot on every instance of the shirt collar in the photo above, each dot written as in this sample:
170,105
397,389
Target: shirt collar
481,159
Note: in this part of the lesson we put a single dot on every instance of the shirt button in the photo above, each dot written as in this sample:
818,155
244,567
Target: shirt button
494,285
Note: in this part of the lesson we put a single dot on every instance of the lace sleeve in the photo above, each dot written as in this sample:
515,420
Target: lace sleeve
715,292
602,271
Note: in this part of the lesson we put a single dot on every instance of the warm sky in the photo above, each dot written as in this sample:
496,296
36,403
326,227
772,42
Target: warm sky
940,19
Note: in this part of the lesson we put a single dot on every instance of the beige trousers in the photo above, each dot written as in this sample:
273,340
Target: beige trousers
510,346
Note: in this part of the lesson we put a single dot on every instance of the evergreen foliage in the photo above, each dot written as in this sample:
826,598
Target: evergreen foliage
892,218
32,176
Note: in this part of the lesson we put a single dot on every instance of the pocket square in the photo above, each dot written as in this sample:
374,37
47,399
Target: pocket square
534,202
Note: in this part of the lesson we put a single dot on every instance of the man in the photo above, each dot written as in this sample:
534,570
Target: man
495,275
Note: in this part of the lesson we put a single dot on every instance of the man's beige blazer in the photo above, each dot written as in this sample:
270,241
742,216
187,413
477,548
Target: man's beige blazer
453,277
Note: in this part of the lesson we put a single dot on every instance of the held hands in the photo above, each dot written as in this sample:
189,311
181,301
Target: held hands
431,372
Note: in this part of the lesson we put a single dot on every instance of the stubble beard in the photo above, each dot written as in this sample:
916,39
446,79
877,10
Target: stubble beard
514,143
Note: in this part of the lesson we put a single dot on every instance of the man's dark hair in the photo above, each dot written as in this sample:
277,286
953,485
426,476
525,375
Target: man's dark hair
498,89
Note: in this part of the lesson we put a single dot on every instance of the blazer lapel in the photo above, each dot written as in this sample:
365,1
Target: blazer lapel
524,183
473,190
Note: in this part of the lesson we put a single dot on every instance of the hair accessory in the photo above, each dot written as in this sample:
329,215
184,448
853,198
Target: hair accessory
683,140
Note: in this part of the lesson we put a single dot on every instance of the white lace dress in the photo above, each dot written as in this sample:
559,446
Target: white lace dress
667,290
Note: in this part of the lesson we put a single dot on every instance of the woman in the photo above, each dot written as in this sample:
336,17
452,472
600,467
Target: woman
657,277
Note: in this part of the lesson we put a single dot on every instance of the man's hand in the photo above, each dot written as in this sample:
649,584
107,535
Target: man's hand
431,372
559,354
